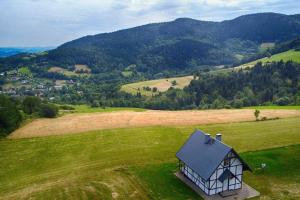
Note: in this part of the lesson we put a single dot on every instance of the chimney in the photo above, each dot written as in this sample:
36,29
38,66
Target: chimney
207,139
219,137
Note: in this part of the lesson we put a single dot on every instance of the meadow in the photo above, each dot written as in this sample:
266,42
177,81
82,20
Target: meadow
88,109
162,85
291,55
79,123
274,107
138,163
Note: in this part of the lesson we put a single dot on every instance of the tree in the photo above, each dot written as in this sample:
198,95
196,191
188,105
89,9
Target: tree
174,83
31,104
48,110
154,89
10,117
256,114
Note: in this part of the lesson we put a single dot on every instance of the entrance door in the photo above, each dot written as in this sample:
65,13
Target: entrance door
225,184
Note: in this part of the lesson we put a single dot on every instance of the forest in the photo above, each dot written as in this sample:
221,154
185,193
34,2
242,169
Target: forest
273,83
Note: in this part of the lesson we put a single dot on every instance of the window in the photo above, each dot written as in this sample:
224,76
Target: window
226,162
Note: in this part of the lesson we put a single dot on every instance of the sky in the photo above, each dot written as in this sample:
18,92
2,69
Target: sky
28,23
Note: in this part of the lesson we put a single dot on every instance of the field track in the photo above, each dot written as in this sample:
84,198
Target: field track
75,123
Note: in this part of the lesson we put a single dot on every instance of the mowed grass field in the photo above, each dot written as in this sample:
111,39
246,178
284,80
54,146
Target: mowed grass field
138,163
161,84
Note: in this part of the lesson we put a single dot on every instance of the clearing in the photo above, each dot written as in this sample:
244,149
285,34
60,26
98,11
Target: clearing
290,55
138,163
82,68
79,70
75,123
162,85
60,70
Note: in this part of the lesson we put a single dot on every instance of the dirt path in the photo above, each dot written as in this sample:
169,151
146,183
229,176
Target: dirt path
75,123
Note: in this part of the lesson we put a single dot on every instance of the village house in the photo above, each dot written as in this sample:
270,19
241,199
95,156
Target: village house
211,165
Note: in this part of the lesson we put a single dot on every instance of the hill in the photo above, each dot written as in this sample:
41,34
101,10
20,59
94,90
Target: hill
10,51
176,47
181,44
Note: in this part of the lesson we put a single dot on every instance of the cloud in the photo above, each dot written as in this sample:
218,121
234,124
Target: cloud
53,22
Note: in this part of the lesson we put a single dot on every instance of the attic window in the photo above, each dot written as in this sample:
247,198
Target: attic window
226,162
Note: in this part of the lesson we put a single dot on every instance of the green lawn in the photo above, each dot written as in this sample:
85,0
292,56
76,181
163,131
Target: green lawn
101,164
283,171
88,109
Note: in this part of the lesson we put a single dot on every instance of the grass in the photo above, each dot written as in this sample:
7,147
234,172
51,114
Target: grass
162,183
127,73
70,73
99,164
281,178
290,55
88,109
275,107
161,84
283,169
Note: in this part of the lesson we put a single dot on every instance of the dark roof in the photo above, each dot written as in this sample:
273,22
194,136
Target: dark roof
204,158
226,174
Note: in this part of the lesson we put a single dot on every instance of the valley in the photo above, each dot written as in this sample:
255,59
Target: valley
102,116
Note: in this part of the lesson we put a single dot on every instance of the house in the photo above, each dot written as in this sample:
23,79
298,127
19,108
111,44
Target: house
211,165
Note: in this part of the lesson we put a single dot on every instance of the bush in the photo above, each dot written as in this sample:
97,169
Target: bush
283,101
264,118
95,104
31,104
48,110
66,107
238,103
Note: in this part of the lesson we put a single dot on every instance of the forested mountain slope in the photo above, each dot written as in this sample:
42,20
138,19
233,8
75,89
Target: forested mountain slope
180,44
177,46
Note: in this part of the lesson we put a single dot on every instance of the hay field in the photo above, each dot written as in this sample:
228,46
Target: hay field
76,123
162,85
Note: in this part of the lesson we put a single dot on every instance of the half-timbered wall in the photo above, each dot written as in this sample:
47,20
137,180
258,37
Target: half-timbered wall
194,177
213,185
232,163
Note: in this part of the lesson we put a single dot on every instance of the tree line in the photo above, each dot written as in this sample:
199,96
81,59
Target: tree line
275,83
14,111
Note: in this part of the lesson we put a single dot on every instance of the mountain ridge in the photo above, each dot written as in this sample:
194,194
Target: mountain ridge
179,46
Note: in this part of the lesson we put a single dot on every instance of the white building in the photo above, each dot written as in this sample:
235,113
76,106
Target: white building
210,164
